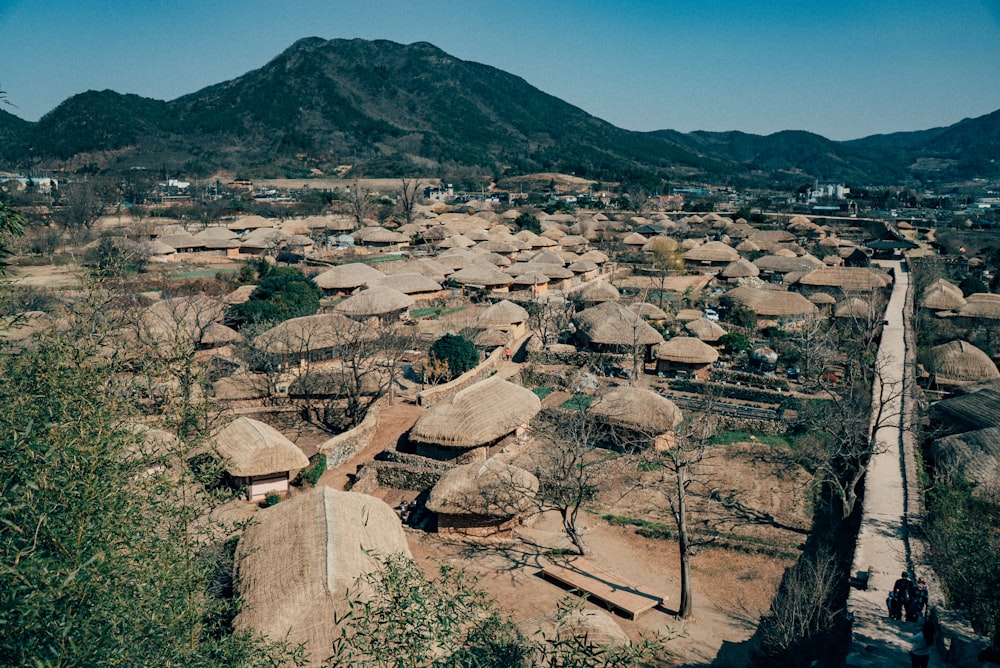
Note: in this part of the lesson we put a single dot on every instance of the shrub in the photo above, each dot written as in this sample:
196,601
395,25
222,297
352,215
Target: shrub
457,352
312,473
271,499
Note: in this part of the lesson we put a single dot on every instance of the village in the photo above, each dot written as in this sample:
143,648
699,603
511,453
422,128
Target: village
606,353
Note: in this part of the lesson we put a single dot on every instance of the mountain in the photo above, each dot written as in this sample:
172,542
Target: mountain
391,109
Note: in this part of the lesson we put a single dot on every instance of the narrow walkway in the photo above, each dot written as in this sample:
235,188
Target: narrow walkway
882,550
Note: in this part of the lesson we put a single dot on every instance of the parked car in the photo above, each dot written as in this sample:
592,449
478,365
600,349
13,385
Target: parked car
711,314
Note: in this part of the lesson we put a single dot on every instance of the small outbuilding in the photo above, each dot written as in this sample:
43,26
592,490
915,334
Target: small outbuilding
484,499
258,458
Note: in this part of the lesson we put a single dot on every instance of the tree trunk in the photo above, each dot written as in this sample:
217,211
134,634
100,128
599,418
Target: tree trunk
569,526
685,608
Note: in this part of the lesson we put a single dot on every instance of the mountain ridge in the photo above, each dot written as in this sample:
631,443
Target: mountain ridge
388,108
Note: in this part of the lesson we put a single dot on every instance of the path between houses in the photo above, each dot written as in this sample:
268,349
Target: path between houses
393,422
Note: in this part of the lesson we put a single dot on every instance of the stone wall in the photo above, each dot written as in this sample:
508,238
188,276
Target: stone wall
342,447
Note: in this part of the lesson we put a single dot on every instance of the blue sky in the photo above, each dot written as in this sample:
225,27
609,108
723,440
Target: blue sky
843,69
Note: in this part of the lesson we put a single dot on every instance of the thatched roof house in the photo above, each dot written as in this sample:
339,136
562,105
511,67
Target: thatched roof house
597,291
786,307
942,296
380,300
312,337
482,275
649,311
504,316
712,253
981,305
257,456
741,268
346,278
415,285
611,326
973,456
642,413
959,362
706,330
180,319
686,354
482,498
296,563
479,416
846,279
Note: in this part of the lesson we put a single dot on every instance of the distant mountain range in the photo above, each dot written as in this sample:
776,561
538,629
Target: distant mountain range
388,109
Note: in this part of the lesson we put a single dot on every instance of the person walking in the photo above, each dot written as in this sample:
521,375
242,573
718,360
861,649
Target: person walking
921,644
917,602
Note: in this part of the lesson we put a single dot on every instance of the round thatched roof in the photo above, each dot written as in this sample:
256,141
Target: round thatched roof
184,317
595,627
850,279
251,448
595,256
938,298
981,305
502,314
705,329
772,302
348,277
784,265
335,538
298,336
972,456
740,269
854,307
379,300
598,291
411,283
960,361
822,298
481,274
612,324
489,488
637,408
428,267
479,414
649,311
713,251
686,350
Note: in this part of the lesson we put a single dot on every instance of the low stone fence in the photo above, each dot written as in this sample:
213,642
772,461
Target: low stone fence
342,447
396,475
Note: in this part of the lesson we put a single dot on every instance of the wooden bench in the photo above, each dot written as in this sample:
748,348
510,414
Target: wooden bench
601,584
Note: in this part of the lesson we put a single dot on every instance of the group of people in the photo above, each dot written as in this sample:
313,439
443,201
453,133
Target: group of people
907,597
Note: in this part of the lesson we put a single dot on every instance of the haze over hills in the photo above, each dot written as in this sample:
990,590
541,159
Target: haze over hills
391,109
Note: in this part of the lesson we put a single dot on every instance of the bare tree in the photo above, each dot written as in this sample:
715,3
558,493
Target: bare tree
82,203
360,202
408,197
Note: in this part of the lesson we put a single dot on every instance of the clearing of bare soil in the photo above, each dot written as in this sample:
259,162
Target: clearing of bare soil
730,589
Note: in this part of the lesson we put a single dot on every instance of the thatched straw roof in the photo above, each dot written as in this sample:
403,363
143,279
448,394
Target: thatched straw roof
479,414
784,265
492,337
598,291
546,257
184,317
850,279
489,488
942,296
772,302
740,269
296,563
481,274
409,284
713,251
252,222
348,277
973,456
428,267
251,448
217,334
822,298
595,627
638,409
612,324
595,256
857,308
686,350
960,361
379,300
649,311
502,314
981,305
298,336
706,330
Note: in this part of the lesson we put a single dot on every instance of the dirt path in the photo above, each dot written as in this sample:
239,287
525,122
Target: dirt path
393,422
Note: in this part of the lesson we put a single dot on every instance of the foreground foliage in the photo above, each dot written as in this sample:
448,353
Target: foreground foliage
399,617
100,560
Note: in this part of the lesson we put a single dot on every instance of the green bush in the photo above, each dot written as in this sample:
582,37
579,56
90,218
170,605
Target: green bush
271,499
312,473
457,352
